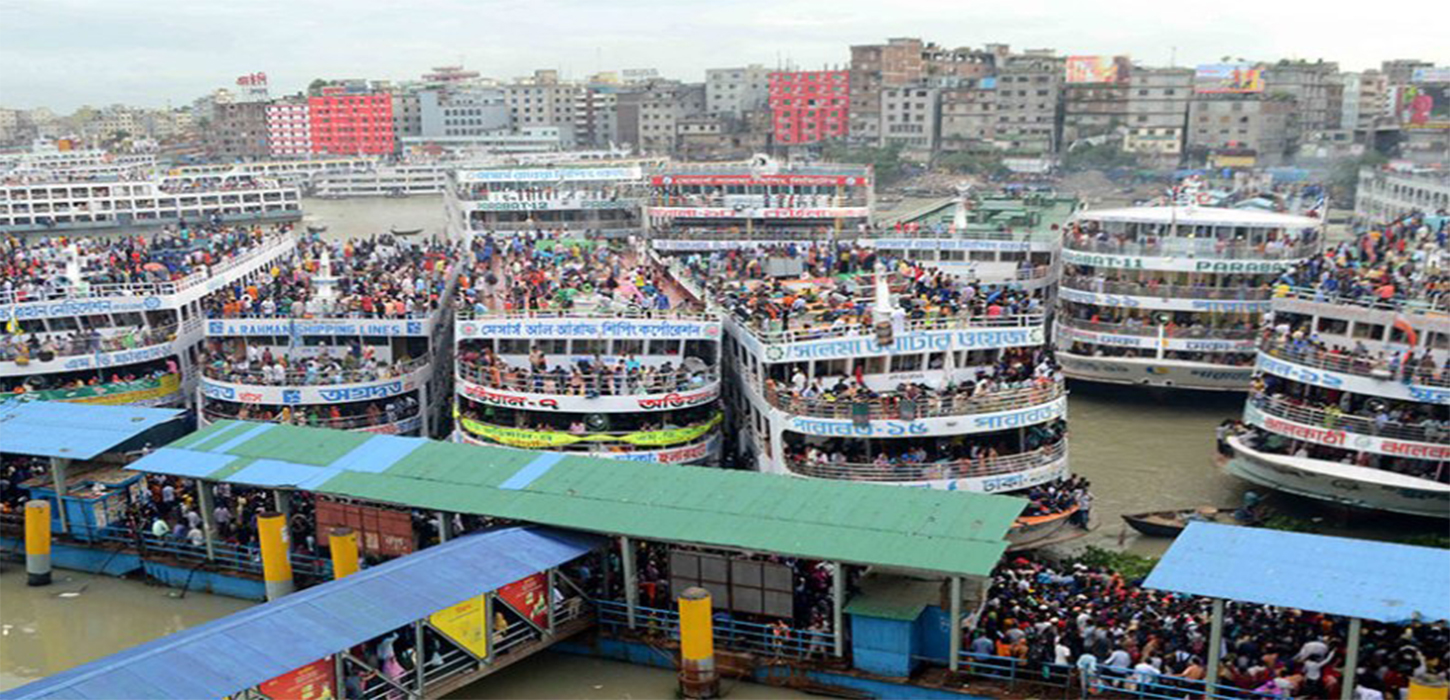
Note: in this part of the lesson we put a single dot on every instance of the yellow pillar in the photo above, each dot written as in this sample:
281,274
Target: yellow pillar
276,566
37,543
343,543
697,645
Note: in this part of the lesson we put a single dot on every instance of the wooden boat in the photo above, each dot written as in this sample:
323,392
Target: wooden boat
1168,523
406,231
316,229
1031,529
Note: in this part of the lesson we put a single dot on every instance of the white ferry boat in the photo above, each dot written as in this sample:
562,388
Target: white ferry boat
585,346
108,201
119,321
404,180
595,197
347,335
1351,395
1170,296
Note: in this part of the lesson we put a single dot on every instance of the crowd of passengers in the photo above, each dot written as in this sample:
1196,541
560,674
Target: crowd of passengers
546,272
579,377
1404,260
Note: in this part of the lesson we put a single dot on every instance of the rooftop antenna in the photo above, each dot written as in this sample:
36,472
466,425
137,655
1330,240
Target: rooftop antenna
1173,58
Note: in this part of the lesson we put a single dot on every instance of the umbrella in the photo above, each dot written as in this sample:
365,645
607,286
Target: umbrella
154,267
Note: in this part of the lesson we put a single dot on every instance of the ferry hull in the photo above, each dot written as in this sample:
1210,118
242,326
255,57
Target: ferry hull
1168,374
1358,487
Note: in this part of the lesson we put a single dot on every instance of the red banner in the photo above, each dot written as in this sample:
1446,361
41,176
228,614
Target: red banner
315,681
847,180
529,596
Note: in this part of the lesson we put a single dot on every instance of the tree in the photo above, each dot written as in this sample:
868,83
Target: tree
1344,180
315,87
885,163
968,163
1103,156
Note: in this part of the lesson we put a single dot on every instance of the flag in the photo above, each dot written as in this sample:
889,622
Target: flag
1411,337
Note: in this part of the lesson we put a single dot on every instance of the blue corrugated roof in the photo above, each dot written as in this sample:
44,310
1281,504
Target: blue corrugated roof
246,648
1335,575
74,430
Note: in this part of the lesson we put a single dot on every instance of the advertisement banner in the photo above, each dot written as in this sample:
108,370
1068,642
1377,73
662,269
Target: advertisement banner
142,392
920,341
1127,340
643,328
530,597
1174,264
466,624
546,439
298,327
1092,69
1423,106
1430,75
633,172
759,179
1227,78
771,213
1333,437
315,681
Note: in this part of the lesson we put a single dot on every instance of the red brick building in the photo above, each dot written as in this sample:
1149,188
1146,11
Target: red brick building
810,106
351,123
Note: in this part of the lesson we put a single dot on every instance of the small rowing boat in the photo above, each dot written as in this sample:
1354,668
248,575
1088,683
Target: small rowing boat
407,231
1168,523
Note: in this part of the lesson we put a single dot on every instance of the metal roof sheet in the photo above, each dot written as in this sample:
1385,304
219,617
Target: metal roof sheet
870,524
74,430
1336,575
246,648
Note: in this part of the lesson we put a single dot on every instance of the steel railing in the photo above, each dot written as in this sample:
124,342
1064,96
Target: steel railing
522,380
1360,366
930,471
90,346
1193,248
468,313
1164,291
1412,305
1118,682
1307,415
771,333
225,555
736,635
319,378
888,406
344,423
1151,330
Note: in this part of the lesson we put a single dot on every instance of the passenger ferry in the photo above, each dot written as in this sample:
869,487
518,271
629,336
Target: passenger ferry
119,321
348,335
599,197
106,201
1170,296
404,180
1351,394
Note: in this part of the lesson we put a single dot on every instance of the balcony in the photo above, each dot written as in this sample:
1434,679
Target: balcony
12,346
1146,329
1281,407
1211,249
887,406
585,384
1372,368
964,469
1098,285
771,332
291,377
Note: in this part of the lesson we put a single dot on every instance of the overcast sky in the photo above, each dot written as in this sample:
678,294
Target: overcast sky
65,53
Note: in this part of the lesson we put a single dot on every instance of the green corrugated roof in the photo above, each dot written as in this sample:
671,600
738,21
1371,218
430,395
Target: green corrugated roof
923,529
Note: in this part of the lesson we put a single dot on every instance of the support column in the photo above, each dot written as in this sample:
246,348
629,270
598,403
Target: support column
838,607
697,645
445,527
420,664
276,564
631,586
342,542
37,543
1215,645
58,467
283,499
1351,660
208,522
488,628
954,626
553,627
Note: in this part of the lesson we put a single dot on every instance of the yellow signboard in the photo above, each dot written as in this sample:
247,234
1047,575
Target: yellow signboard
465,624
537,439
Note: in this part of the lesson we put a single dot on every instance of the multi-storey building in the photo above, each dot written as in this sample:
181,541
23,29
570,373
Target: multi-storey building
541,100
289,128
1099,107
596,115
1318,94
1158,112
969,114
809,106
1029,90
1384,194
648,113
350,122
909,118
897,62
239,130
735,91
1254,127
463,112
407,114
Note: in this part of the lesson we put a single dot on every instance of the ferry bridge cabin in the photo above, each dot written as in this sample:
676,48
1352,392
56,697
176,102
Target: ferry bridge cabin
111,201
603,197
1171,296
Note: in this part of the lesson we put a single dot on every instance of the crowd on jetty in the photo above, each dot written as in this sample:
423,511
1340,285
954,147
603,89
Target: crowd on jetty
376,277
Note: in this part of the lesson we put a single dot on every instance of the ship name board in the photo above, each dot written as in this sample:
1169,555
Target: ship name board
1168,303
552,174
305,327
922,341
766,213
943,425
542,204
1177,264
305,395
661,329
1344,439
69,307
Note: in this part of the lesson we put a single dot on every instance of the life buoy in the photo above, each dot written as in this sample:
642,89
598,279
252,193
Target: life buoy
1203,198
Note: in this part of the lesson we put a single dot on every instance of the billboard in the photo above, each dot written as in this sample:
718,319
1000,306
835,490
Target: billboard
1430,75
1093,69
466,624
1228,78
529,596
1423,106
315,681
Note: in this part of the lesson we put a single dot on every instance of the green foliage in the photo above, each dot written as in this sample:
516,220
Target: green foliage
1287,523
1427,539
886,162
967,163
1344,180
1133,567
1103,156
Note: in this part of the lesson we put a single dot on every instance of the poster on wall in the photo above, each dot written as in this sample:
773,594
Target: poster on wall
1227,78
1423,106
529,596
466,624
315,681
1093,69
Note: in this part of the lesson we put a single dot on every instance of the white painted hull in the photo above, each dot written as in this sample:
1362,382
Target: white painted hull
1169,374
1344,484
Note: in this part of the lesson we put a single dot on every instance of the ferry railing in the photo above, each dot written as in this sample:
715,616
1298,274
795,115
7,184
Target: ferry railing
319,378
225,555
1373,368
343,423
1207,248
889,406
1282,408
1164,291
757,233
1402,304
759,201
781,641
1150,329
928,471
770,332
601,225
1119,682
622,384
1012,670
467,313
603,445
11,349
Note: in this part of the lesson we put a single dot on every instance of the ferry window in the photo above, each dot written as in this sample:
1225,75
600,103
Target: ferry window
1439,341
954,255
1369,331
32,325
905,363
936,360
378,340
513,346
873,365
63,323
97,321
1334,326
831,368
553,346
590,346
127,319
664,347
983,255
1397,335
1013,255
628,347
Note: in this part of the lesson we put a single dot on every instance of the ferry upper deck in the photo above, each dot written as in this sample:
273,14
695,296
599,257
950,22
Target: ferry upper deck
104,200
602,197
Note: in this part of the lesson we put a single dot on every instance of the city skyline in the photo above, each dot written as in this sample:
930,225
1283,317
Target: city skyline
69,53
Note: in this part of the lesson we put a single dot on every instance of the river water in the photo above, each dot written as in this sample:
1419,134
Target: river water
1142,450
